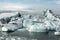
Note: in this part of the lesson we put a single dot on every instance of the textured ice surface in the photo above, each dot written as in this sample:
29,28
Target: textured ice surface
4,15
34,23
50,22
38,27
13,25
27,22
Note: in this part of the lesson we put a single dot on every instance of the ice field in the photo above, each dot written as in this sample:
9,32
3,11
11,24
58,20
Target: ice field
32,23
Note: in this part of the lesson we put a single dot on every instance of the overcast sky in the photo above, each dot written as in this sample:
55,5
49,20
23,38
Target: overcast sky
30,4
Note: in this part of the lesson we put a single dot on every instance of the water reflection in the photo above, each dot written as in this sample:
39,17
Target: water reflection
23,35
31,35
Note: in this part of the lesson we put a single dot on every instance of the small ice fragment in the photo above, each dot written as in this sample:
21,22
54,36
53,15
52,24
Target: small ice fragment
56,33
4,29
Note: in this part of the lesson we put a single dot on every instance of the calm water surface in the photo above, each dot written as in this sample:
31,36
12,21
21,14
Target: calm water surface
25,35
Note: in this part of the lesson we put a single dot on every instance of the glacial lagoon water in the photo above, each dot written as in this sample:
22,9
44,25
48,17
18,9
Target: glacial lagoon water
25,35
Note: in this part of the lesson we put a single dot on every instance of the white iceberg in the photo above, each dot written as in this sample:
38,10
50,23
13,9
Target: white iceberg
35,18
27,22
38,27
49,15
4,29
6,17
56,33
33,23
51,20
13,25
49,23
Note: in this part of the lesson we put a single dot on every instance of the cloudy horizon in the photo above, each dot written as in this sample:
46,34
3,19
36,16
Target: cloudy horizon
30,5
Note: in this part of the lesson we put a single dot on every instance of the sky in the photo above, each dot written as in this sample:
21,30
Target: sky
30,5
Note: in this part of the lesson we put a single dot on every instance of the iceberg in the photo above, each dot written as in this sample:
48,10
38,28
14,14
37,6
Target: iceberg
26,16
51,20
32,23
13,25
38,27
6,17
4,29
5,20
35,18
56,33
49,14
27,22
48,23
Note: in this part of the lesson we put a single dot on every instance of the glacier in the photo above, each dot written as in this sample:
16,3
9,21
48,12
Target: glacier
30,23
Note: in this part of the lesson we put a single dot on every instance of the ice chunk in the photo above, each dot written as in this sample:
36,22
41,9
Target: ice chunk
32,23
4,29
35,18
4,15
13,19
49,14
50,20
27,22
50,25
57,33
58,28
13,39
37,28
26,16
13,25
5,20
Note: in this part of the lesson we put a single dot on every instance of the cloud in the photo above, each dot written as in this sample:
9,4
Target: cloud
54,1
13,6
57,2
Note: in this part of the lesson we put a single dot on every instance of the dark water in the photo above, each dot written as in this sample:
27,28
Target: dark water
25,35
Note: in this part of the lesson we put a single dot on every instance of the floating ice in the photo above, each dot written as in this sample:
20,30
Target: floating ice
27,22
49,15
4,29
6,17
35,18
13,25
33,23
49,23
38,27
56,33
